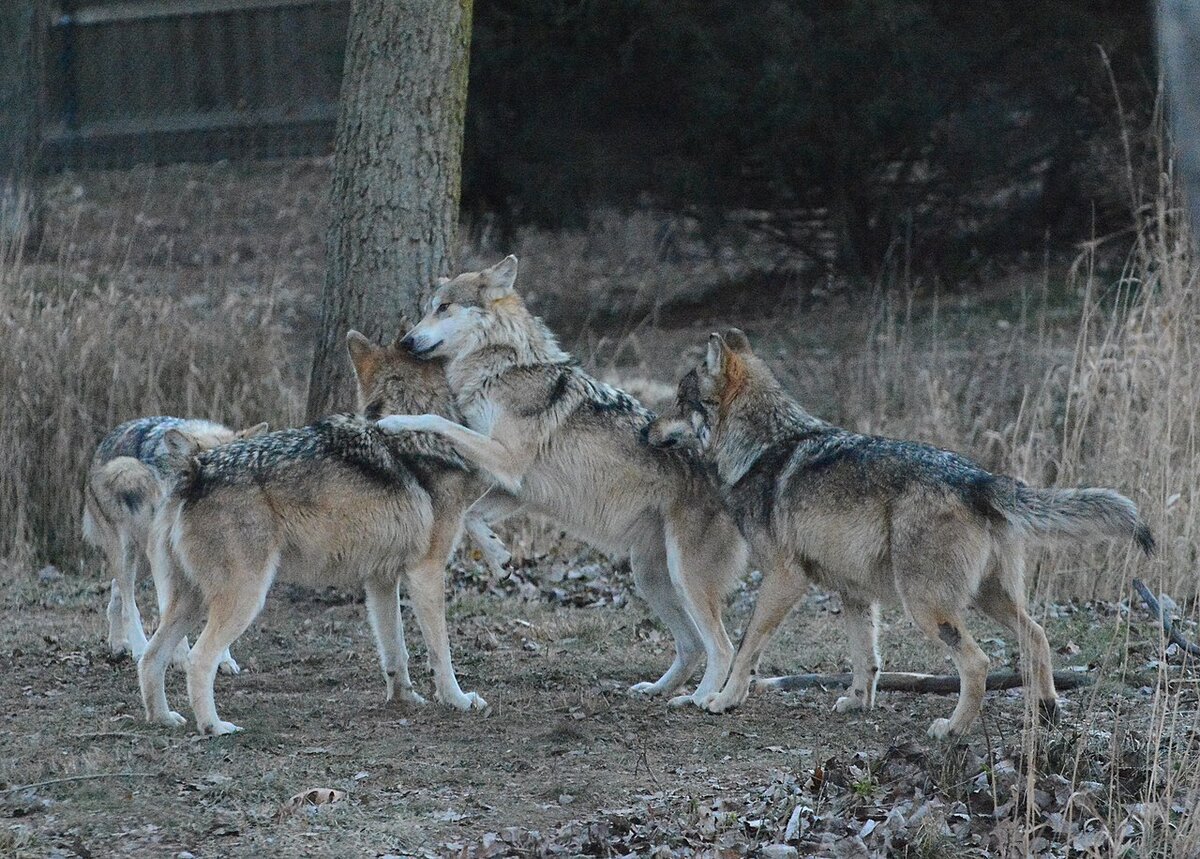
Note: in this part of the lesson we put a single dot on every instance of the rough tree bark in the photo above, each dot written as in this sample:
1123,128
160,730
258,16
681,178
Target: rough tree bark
396,176
1179,47
20,128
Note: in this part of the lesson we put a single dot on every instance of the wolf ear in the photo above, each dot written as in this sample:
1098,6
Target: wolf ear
442,281
499,280
180,446
256,430
736,340
364,354
716,350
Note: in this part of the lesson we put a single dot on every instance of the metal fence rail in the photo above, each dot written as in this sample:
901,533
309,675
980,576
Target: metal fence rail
171,80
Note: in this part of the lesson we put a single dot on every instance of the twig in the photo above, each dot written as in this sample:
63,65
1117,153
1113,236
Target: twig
1164,617
87,777
903,681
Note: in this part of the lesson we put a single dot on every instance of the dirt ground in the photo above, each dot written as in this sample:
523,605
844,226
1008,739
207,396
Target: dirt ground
563,762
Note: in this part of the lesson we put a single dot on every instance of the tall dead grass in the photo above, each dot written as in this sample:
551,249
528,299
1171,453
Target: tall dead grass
80,358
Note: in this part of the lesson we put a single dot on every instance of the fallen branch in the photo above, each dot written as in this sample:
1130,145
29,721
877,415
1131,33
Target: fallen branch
87,777
1164,617
904,681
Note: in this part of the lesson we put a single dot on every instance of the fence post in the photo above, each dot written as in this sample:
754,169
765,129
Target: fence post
21,34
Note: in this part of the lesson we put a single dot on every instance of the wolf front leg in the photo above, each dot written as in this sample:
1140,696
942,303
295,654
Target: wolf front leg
862,631
782,587
506,467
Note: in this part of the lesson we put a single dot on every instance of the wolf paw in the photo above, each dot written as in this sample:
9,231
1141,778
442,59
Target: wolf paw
465,701
499,562
724,703
942,729
683,701
1048,712
645,689
169,719
848,704
411,696
229,665
220,729
400,423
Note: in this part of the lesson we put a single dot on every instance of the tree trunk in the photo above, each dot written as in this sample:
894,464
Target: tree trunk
1179,48
20,129
396,176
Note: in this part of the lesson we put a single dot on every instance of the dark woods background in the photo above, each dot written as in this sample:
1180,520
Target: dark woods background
952,130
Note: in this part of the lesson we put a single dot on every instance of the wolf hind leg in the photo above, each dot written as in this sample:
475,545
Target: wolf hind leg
184,609
230,613
652,579
1002,597
125,630
943,623
383,611
862,630
701,564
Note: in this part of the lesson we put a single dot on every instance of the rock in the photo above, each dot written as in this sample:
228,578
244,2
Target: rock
779,851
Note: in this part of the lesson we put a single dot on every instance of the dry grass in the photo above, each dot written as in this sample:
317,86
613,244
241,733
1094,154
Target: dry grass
80,358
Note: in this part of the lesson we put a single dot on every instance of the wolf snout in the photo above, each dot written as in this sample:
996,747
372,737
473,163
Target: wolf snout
418,347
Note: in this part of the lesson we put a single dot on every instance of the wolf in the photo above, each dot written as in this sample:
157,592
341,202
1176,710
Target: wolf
572,449
876,520
129,474
338,502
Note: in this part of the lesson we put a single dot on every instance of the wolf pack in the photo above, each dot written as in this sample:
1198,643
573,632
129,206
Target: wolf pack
475,414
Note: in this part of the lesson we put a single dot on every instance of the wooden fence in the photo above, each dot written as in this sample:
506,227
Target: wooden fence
172,80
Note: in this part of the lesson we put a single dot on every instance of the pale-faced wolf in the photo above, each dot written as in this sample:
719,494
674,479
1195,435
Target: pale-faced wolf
876,520
573,449
339,502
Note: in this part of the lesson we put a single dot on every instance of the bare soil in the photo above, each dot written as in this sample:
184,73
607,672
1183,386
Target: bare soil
561,750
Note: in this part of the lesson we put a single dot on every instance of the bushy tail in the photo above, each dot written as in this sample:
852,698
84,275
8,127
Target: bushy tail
1079,515
126,482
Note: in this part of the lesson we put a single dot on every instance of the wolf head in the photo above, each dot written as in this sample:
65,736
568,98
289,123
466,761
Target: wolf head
724,388
471,310
392,381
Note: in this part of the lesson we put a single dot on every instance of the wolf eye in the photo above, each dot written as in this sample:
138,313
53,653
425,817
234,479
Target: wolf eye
443,307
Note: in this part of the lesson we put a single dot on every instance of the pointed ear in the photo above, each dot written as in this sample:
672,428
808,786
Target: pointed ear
441,280
499,280
364,354
180,447
712,359
251,432
403,326
736,340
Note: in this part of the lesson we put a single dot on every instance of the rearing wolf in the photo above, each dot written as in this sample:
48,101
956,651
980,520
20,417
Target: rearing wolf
574,450
875,519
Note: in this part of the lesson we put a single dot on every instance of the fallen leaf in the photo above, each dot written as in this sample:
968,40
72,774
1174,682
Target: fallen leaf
314,796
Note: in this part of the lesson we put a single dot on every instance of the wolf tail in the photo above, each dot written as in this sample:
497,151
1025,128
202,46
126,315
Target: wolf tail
1078,515
125,481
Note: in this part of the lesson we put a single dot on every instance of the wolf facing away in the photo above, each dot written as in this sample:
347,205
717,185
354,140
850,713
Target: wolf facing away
129,474
876,520
573,450
338,502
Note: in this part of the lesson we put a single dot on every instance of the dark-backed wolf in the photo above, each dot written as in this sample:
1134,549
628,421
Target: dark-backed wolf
876,520
339,502
129,474
573,449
